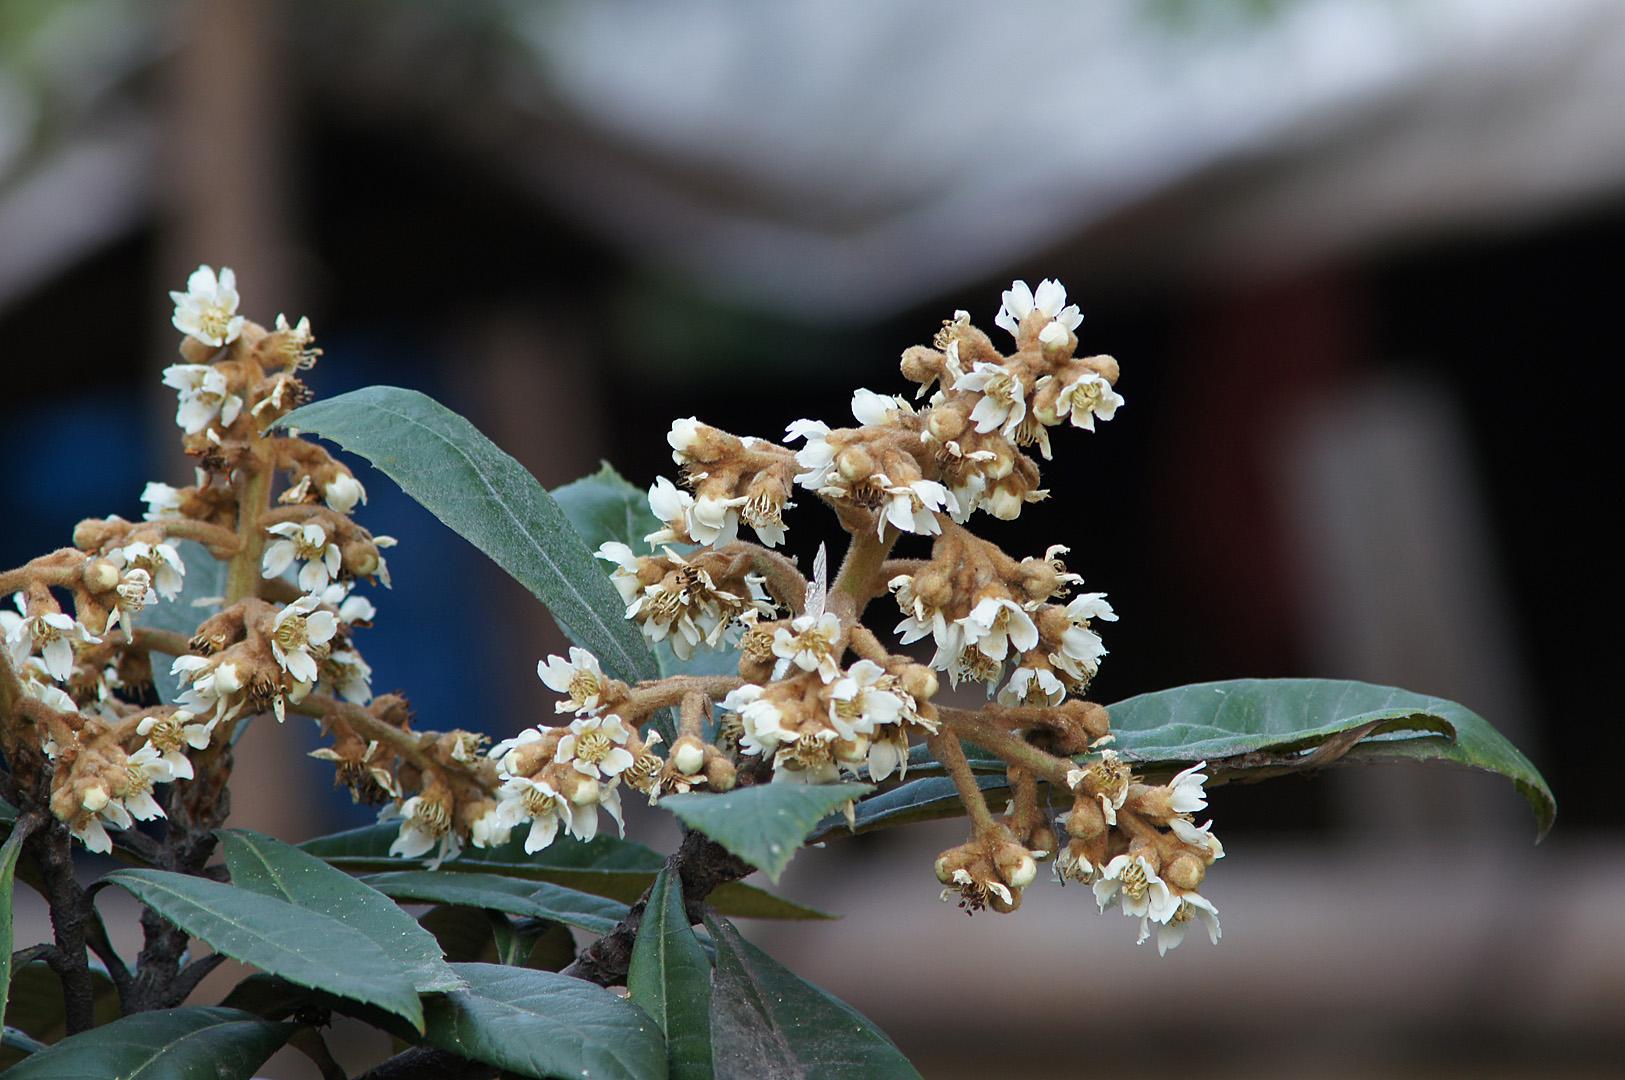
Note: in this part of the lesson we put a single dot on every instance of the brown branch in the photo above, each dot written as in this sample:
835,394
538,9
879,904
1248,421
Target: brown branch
701,864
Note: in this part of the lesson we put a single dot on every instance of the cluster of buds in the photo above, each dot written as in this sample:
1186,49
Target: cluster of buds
283,631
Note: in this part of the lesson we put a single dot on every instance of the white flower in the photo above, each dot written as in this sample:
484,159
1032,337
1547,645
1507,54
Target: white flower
53,634
809,644
142,769
1192,906
1081,648
536,801
1110,778
203,396
1026,683
913,507
1086,399
170,735
1003,404
299,628
349,675
682,438
343,492
869,407
862,700
997,622
762,720
888,755
714,522
308,543
207,310
1197,836
501,751
425,827
1049,300
491,829
160,560
671,505
596,747
817,456
625,576
1131,881
1072,865
161,499
1185,792
212,685
132,593
579,678
101,810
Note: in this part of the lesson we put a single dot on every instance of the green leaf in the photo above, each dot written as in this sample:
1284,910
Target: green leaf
274,998
464,933
516,896
17,1039
195,1043
485,496
766,1021
303,946
542,1024
918,800
604,866
10,851
36,1006
670,979
764,824
271,868
205,580
1248,725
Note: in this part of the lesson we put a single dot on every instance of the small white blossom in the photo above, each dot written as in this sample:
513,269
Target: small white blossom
579,678
671,506
101,810
816,456
535,801
211,686
132,593
203,395
425,827
1032,685
862,700
809,644
299,628
160,560
349,675
500,753
343,492
1192,908
715,522
869,407
596,747
913,507
1197,836
625,575
996,623
170,735
1049,300
161,499
1185,789
51,633
1087,399
142,769
682,437
309,544
1131,881
207,310
1003,405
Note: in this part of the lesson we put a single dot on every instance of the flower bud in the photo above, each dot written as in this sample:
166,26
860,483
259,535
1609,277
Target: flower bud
94,798
1087,820
100,575
720,774
360,558
583,792
920,682
688,755
946,424
1005,504
852,750
1185,871
854,464
343,492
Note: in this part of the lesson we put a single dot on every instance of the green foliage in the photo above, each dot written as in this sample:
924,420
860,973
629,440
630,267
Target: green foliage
670,979
486,497
193,1043
541,1024
36,1010
271,868
765,1021
516,896
765,824
604,866
303,946
10,851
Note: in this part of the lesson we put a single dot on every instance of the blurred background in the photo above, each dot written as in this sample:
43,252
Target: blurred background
1359,260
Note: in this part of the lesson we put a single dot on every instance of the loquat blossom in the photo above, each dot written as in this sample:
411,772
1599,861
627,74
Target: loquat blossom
996,623
809,644
1087,399
162,561
170,735
343,492
1003,404
211,685
51,633
207,310
1192,907
596,747
299,629
1131,881
425,826
1186,794
1048,300
863,699
579,678
913,507
307,543
162,500
203,396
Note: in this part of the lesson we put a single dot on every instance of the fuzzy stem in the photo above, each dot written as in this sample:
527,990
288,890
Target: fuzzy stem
945,748
853,587
243,572
990,736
